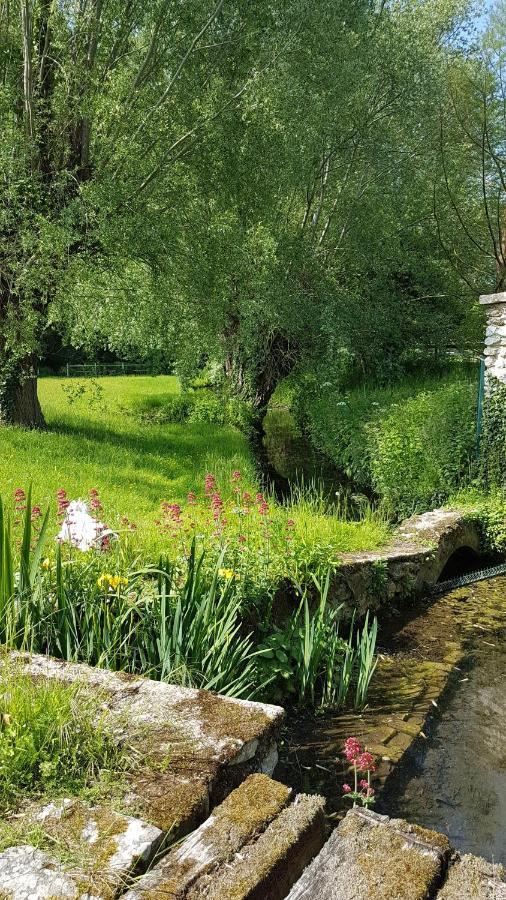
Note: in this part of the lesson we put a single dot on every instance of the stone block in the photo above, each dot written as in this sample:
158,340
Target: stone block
267,868
245,813
371,857
102,848
213,742
473,878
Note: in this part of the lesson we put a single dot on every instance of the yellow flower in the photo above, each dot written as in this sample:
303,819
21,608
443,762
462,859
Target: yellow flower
112,582
46,563
104,579
228,574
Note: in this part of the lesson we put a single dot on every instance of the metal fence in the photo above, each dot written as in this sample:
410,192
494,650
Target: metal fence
95,370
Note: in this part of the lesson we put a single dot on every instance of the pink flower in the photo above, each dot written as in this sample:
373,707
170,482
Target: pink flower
236,475
62,502
19,495
36,513
191,498
363,783
364,762
352,748
242,539
290,523
346,789
209,483
247,498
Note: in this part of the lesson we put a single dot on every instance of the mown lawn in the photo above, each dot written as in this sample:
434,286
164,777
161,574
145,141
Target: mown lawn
98,443
95,439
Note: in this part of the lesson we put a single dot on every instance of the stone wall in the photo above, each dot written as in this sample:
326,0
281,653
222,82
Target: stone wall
495,338
409,565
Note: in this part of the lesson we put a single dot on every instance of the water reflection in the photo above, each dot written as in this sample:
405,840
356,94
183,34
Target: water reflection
456,781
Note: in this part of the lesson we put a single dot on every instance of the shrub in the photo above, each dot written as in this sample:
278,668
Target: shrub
493,437
425,447
410,444
196,406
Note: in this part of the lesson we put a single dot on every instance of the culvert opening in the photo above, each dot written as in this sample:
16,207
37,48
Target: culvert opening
462,562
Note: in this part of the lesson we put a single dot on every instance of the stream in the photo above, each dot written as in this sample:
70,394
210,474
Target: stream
442,668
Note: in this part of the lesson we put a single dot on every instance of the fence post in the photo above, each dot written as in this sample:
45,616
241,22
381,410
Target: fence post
479,412
68,371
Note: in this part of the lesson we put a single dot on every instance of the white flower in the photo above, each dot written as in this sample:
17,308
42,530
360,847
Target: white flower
81,530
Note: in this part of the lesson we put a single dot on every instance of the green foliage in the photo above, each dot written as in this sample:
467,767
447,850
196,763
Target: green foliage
411,444
196,407
53,738
181,620
187,209
172,624
493,437
309,660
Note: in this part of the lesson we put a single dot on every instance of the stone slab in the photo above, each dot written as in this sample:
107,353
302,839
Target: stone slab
473,878
102,849
245,813
372,857
194,746
490,299
267,868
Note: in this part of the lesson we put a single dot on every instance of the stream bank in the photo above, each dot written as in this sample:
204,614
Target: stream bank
426,655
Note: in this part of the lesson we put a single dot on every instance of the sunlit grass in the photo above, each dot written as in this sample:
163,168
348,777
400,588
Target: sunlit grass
133,465
94,439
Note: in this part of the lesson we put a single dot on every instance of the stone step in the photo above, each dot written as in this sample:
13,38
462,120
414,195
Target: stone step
253,847
102,850
195,746
472,878
372,857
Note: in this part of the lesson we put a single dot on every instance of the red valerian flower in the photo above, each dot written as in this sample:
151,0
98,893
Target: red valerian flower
352,748
209,483
364,761
236,475
346,789
191,498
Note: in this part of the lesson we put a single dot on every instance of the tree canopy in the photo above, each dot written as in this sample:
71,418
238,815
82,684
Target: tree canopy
261,184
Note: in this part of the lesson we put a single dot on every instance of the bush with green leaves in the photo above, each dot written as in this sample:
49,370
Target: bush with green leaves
410,444
493,436
308,659
197,406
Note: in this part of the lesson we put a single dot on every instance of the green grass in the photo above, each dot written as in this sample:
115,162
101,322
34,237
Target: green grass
95,438
134,466
53,738
410,444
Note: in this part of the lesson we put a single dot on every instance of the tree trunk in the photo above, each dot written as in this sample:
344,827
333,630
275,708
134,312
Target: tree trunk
19,403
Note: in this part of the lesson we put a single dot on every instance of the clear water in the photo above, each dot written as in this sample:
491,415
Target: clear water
455,782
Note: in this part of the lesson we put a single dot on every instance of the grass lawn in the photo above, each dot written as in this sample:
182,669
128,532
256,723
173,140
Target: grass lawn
95,440
134,466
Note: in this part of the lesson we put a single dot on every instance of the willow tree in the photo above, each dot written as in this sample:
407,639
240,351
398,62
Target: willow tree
101,101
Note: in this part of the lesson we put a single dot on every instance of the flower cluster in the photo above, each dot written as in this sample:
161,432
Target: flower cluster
228,574
109,582
361,762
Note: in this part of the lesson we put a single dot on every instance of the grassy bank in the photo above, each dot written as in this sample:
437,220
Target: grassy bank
95,439
98,437
411,444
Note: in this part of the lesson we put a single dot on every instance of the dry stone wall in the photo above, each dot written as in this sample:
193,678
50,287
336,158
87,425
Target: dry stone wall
495,337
